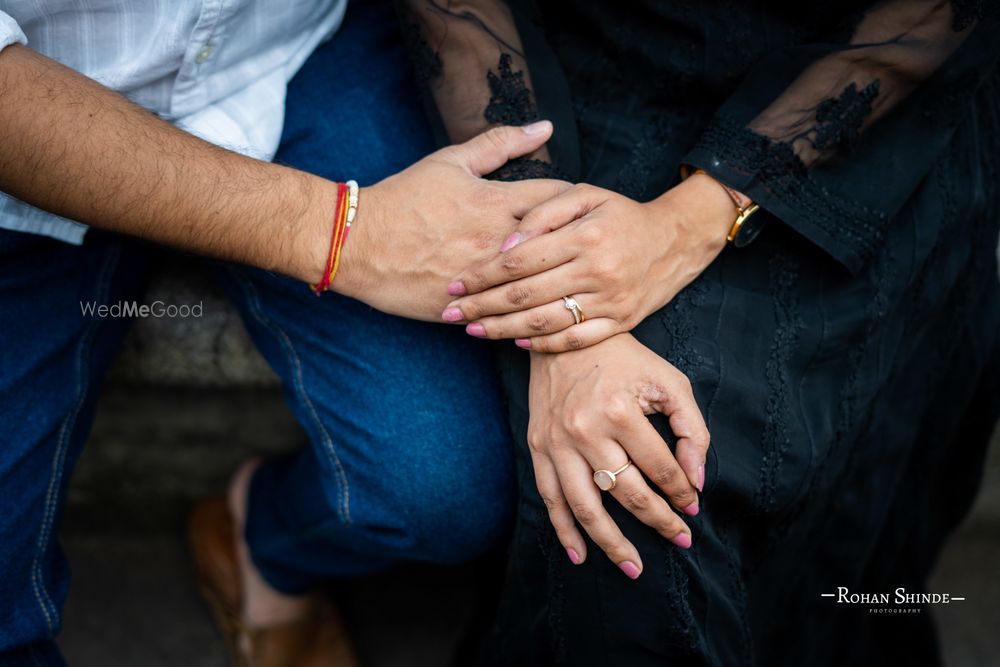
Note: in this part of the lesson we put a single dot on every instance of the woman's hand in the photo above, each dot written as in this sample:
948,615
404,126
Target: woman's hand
621,260
417,228
588,412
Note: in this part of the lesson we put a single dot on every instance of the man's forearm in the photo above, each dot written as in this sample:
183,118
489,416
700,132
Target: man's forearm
73,147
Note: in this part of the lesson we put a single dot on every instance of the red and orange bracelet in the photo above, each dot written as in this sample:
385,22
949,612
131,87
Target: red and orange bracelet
343,216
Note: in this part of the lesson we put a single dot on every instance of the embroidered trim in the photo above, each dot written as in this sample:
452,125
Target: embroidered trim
510,100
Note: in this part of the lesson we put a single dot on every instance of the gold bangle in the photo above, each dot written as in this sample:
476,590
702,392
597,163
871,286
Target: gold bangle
744,209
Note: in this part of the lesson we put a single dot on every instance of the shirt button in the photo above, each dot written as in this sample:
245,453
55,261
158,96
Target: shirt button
204,53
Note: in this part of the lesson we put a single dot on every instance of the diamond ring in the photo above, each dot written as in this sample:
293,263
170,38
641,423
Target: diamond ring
574,307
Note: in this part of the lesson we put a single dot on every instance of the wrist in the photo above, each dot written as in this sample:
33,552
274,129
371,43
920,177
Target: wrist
357,274
705,208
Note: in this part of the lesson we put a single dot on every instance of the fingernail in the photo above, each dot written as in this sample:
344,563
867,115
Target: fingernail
629,568
476,329
692,509
683,540
701,477
523,342
511,241
574,557
456,288
452,315
537,127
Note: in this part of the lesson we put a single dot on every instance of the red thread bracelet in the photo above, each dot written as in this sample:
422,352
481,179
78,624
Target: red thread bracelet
336,241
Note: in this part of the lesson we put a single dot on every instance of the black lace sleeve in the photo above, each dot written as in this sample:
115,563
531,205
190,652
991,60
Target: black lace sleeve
833,136
471,60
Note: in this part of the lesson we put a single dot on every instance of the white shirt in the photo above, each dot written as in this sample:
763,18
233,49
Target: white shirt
216,68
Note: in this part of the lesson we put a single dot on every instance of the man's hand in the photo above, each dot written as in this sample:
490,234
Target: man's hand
588,412
73,147
418,228
620,259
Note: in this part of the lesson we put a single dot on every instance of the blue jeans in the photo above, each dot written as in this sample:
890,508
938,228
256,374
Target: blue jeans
410,454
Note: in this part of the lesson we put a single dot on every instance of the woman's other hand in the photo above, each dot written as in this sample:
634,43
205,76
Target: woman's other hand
588,413
621,260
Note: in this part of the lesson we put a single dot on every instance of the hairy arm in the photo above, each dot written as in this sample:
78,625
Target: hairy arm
75,148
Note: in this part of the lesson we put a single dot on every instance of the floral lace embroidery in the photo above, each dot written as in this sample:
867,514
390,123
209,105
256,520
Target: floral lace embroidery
522,168
426,61
775,440
839,119
510,100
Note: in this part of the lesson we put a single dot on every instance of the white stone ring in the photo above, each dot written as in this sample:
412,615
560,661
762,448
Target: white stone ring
574,307
606,479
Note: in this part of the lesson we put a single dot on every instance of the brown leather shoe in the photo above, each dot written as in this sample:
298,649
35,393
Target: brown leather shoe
318,640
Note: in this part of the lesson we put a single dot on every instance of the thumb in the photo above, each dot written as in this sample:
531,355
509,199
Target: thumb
492,149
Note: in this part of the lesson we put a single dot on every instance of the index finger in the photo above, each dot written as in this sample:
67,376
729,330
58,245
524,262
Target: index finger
677,402
527,259
584,498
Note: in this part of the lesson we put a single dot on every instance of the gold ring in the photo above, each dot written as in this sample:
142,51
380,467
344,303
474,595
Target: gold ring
574,307
606,479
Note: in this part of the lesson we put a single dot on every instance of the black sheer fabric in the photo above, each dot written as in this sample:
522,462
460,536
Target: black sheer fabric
846,361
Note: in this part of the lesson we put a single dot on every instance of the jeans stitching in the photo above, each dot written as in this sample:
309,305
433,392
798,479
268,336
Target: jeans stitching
59,459
292,357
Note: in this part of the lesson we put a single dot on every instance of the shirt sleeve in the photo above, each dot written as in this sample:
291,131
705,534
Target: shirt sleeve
10,32
832,136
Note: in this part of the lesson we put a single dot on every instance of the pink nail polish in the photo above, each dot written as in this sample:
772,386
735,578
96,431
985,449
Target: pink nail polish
692,509
511,241
452,315
574,557
456,288
476,329
683,540
523,342
701,477
629,568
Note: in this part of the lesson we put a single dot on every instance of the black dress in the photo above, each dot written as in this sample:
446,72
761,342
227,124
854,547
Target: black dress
845,361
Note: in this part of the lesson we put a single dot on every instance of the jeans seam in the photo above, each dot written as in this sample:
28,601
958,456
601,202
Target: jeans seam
48,607
256,310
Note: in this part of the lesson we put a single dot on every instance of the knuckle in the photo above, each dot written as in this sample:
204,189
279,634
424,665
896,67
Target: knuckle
577,425
516,295
617,411
552,503
473,310
512,264
497,137
538,322
617,551
703,439
573,341
670,526
536,442
585,513
683,497
635,500
591,236
665,474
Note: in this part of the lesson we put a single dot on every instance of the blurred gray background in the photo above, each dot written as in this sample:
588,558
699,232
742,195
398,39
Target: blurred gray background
189,399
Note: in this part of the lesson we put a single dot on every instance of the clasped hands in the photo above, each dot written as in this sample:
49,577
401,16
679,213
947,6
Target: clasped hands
532,243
